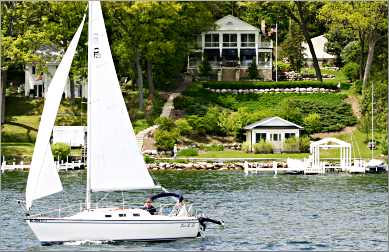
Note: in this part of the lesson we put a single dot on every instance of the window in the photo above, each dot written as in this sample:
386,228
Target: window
275,137
211,40
260,136
264,59
247,40
229,40
289,135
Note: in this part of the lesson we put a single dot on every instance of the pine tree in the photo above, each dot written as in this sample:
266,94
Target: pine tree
253,71
205,68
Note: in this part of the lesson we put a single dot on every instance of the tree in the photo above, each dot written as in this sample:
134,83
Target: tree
302,13
253,71
205,68
292,49
367,21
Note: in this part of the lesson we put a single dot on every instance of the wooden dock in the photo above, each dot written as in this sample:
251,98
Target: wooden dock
59,165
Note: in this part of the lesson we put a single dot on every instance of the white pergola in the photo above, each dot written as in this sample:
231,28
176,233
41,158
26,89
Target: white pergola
330,142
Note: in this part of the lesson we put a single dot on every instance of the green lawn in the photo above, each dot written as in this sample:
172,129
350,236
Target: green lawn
359,145
19,150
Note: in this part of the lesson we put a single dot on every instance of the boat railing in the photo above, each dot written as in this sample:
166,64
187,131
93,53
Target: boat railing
171,209
55,212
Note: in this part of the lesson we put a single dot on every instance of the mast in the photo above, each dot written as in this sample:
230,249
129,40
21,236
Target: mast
89,161
372,119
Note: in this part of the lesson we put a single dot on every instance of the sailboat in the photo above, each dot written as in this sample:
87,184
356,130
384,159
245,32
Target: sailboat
114,162
374,165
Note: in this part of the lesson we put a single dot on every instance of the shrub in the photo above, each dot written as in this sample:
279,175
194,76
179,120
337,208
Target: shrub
357,86
205,68
60,151
190,105
165,140
183,126
165,123
282,66
148,159
312,123
188,152
351,71
198,124
213,147
253,71
304,143
212,119
263,147
292,145
246,147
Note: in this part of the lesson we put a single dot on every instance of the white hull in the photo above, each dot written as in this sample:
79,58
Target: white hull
89,226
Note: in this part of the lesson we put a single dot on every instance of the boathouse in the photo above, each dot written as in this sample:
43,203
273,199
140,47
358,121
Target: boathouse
272,129
230,48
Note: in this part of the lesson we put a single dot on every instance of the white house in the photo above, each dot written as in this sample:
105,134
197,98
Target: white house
322,56
37,83
272,129
230,49
71,135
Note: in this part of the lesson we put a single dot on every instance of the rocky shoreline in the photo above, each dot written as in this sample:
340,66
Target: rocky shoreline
212,165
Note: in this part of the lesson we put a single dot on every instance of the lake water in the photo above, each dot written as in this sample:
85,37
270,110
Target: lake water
261,212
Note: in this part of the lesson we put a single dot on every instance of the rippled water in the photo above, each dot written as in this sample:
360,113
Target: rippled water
261,212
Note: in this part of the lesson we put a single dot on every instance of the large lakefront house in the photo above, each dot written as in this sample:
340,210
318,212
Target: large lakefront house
272,129
230,48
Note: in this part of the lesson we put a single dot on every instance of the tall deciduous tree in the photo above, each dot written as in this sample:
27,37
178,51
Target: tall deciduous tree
367,20
302,13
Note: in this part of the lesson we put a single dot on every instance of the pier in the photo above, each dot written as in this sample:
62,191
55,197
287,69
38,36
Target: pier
60,165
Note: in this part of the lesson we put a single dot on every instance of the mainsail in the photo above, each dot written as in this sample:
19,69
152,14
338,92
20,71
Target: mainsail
114,160
43,178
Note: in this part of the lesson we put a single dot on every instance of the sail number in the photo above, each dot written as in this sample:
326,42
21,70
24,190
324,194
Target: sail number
187,225
38,220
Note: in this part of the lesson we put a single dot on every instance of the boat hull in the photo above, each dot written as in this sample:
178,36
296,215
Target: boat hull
54,230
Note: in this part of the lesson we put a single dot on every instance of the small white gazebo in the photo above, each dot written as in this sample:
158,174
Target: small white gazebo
330,142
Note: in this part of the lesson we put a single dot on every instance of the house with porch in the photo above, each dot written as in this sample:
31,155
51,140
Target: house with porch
274,130
230,49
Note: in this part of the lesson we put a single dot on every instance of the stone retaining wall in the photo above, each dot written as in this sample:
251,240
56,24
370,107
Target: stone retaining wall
273,90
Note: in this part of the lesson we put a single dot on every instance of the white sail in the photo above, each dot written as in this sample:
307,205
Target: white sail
43,177
114,160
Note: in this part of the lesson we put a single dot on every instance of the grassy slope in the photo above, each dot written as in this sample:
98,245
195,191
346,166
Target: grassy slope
18,134
271,102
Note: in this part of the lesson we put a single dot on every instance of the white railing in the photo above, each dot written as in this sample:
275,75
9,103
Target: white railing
266,44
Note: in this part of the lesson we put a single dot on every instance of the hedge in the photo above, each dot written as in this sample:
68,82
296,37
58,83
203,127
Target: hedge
263,84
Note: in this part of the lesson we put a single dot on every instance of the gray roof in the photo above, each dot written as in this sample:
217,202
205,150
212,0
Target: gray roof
272,122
